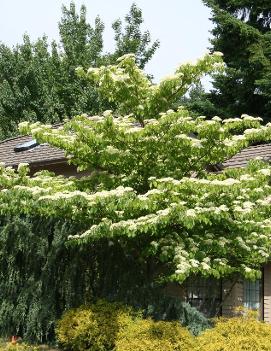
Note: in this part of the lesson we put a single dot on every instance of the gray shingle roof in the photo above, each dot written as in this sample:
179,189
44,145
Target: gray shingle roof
44,154
241,159
40,155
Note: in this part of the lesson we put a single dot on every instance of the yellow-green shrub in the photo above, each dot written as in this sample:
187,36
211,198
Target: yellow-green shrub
106,326
236,334
93,327
148,335
17,347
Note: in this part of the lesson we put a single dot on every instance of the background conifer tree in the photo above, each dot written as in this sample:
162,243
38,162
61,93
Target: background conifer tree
242,32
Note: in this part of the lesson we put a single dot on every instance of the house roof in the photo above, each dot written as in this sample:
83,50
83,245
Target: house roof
42,154
252,152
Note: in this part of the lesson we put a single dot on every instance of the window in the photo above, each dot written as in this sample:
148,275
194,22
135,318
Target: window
252,294
203,294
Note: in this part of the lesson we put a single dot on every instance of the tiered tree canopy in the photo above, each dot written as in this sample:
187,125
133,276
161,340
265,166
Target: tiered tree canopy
148,188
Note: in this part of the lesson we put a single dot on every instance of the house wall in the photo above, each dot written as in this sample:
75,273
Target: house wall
267,293
232,297
61,168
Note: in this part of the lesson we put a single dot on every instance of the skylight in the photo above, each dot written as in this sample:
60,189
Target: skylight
26,146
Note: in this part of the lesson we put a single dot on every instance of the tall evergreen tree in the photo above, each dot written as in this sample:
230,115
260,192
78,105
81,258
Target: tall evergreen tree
242,32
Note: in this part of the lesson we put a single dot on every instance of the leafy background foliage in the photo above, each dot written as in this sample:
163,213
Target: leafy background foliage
38,80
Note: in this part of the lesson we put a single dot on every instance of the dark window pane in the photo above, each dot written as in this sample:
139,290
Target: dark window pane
204,294
252,294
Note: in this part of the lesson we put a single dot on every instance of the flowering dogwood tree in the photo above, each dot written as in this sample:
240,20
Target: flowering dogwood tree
149,189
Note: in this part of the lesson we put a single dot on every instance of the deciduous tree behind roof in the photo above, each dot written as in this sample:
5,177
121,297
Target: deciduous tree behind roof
38,80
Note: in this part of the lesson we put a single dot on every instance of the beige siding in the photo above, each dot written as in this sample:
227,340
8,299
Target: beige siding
232,297
61,168
267,293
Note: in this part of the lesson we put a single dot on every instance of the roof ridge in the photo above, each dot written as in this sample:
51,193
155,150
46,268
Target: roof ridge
258,145
14,138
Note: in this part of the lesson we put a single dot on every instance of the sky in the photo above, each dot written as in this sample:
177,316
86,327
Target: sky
182,26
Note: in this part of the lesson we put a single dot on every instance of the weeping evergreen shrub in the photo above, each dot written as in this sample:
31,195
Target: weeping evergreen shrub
171,309
41,277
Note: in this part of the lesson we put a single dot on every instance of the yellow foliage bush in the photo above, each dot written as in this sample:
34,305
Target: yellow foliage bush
111,326
236,334
8,346
94,327
148,335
